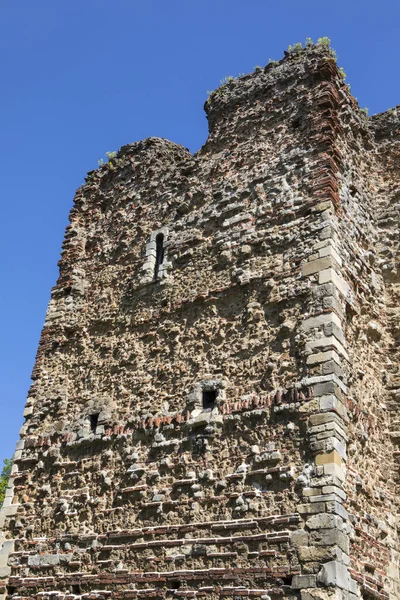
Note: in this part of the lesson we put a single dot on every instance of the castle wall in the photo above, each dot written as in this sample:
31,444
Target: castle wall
270,306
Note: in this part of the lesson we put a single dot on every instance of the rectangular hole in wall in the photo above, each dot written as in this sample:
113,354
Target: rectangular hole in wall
209,398
76,590
93,422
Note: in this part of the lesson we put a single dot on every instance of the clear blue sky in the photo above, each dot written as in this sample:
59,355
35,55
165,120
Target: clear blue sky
82,77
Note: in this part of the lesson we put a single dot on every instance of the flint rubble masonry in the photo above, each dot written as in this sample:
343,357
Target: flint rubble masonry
218,417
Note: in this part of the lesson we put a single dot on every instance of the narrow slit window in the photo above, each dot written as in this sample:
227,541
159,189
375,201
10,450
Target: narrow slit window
159,255
93,422
209,398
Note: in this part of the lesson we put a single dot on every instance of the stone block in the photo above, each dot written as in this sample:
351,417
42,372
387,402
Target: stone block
324,479
327,229
7,511
36,560
320,292
336,470
324,521
308,491
331,329
334,489
65,558
330,402
338,509
324,243
331,457
5,572
17,455
314,380
325,498
148,265
303,581
327,206
329,275
299,538
315,266
330,251
331,302
334,574
319,419
316,554
325,594
326,388
6,548
320,357
338,446
330,537
317,446
332,366
320,321
309,509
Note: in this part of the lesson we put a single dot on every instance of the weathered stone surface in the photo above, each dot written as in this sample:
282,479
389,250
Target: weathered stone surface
334,574
303,581
214,407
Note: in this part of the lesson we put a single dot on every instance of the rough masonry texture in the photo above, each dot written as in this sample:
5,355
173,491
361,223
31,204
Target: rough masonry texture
214,407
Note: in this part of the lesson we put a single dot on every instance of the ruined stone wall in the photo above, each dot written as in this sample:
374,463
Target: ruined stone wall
371,503
271,306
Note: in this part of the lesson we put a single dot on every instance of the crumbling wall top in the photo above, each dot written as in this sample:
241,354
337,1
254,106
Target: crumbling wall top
385,126
265,82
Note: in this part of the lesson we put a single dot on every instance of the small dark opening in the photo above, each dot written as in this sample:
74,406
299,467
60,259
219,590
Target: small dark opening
174,585
76,589
370,568
209,398
353,190
93,422
159,254
10,590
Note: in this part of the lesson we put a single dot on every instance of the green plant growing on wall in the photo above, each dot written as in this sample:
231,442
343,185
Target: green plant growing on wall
110,156
323,41
224,82
216,93
4,476
227,79
295,47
